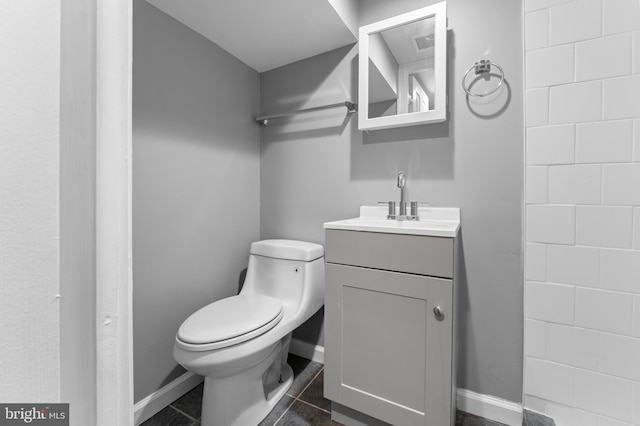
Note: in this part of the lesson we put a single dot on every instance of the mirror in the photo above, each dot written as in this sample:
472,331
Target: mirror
403,70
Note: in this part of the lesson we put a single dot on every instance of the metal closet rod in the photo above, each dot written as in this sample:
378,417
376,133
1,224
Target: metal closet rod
264,119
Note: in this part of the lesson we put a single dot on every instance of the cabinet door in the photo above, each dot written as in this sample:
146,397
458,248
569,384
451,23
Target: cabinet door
387,354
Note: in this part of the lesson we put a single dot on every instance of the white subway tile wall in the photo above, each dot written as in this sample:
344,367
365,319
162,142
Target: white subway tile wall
535,404
531,5
604,226
537,107
538,37
621,359
581,417
573,346
603,310
575,21
550,66
536,265
620,271
636,228
618,97
603,57
536,342
582,226
551,145
603,394
551,224
604,142
621,16
636,319
575,102
616,179
575,184
549,380
636,403
636,136
606,421
579,266
636,52
537,191
550,302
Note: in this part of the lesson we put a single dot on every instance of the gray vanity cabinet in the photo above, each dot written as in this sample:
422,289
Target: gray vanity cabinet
389,328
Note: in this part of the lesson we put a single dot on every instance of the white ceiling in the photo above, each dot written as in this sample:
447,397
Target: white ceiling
401,42
268,34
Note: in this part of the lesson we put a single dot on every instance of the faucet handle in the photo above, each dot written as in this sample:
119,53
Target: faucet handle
392,210
414,209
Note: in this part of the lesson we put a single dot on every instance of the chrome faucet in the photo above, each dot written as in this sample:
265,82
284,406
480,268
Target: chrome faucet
402,180
402,213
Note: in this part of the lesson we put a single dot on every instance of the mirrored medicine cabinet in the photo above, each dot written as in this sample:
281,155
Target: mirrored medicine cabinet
403,70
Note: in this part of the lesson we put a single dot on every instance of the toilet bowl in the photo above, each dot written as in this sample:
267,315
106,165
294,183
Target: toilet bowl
240,344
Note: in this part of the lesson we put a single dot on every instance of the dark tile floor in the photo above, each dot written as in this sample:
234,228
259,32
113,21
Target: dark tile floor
534,419
303,405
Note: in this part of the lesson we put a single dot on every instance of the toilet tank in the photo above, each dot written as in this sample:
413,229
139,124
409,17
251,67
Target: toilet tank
289,270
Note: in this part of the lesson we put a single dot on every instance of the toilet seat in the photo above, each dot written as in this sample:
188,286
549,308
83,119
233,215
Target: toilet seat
230,321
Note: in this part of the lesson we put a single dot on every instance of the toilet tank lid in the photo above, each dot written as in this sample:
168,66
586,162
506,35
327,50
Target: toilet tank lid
288,249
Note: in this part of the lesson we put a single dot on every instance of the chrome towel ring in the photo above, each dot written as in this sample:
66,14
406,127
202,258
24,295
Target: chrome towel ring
481,67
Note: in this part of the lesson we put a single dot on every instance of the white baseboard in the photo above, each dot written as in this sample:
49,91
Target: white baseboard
152,404
490,407
307,350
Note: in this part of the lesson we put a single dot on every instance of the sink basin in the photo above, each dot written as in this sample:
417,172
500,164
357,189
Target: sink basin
434,221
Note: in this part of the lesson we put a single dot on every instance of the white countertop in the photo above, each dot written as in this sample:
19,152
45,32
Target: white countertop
433,221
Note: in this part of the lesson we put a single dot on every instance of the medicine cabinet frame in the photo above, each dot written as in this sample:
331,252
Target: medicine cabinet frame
402,119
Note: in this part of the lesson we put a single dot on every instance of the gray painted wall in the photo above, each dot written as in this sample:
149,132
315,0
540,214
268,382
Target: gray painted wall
195,183
319,167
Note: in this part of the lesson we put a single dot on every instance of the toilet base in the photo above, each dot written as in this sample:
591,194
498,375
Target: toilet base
229,401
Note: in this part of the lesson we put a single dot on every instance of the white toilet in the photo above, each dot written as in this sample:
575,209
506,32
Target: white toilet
240,344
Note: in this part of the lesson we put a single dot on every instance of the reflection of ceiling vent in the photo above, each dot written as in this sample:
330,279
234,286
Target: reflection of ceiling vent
423,42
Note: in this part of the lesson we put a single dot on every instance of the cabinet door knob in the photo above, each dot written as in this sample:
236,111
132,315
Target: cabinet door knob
437,311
